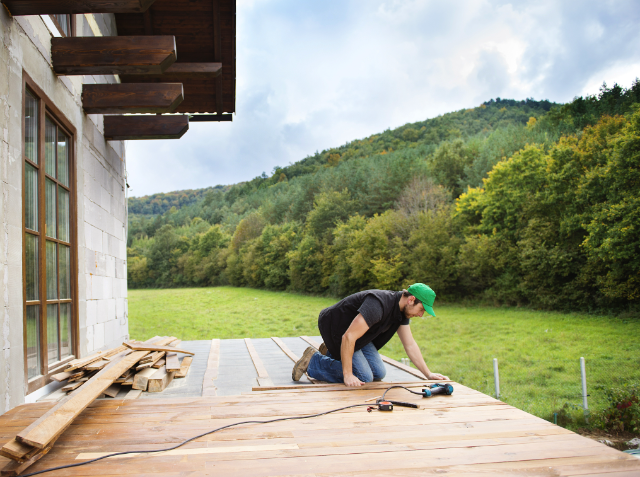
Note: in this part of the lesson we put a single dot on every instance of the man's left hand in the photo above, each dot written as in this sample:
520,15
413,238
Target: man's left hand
437,377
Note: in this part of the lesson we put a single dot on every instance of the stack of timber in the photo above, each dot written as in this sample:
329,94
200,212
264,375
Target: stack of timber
145,366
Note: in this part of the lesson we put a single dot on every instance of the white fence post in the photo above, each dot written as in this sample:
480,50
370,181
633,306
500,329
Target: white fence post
496,377
585,404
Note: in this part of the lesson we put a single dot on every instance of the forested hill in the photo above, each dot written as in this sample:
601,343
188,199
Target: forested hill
493,114
162,202
516,202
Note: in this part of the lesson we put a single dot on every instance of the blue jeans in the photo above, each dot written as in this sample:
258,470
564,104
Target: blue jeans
367,365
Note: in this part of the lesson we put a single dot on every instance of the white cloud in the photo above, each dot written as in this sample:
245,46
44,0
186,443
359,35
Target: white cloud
312,75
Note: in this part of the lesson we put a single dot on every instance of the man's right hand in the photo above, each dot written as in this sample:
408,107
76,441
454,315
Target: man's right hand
351,380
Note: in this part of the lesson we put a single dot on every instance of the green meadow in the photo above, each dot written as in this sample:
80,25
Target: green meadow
538,352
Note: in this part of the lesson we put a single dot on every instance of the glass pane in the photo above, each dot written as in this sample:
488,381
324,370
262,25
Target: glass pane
33,341
32,267
63,214
63,157
52,333
50,147
52,272
63,23
31,127
30,197
64,270
65,330
50,208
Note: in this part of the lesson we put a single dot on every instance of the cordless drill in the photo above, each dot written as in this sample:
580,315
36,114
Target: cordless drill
437,388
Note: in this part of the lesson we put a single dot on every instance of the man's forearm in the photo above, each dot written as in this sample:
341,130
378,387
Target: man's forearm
346,355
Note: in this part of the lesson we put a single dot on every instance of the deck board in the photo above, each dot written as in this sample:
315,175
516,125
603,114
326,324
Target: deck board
468,433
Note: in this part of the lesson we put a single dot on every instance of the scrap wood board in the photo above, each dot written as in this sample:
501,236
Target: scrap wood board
468,433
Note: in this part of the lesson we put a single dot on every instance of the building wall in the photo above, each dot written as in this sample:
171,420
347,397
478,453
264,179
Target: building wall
25,43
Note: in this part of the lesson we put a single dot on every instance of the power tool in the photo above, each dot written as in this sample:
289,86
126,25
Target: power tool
437,388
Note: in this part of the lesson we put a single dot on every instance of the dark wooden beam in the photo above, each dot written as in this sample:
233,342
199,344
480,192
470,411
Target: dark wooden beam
121,128
178,72
131,98
210,117
52,7
113,55
217,52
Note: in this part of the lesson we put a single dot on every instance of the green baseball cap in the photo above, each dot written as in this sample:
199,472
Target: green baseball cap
425,294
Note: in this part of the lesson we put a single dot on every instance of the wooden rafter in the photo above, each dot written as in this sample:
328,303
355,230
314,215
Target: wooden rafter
131,98
113,55
55,7
121,128
177,73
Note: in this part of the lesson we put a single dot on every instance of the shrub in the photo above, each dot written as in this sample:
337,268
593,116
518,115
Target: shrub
623,411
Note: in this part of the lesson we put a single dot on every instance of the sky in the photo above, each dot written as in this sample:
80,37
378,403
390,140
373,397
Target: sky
317,74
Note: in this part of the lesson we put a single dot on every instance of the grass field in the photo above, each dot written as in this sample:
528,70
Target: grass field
538,352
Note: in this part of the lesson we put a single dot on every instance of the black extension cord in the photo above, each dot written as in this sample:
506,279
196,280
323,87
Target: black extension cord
193,438
216,430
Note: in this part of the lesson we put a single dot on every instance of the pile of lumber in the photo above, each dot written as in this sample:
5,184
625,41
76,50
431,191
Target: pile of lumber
148,366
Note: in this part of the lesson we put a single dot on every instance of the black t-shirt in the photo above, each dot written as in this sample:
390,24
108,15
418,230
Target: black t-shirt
380,309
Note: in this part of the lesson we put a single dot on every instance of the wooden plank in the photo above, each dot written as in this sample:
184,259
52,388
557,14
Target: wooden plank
16,450
53,7
153,359
61,376
184,367
81,363
311,341
257,362
285,349
131,98
172,362
14,468
114,351
133,394
72,386
138,346
177,73
342,387
211,373
159,364
77,376
121,128
112,391
46,429
141,379
160,380
112,54
96,365
263,377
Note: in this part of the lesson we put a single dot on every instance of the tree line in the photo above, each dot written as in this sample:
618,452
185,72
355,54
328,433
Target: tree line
512,202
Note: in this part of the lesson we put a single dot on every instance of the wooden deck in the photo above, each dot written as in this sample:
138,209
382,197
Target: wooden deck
468,433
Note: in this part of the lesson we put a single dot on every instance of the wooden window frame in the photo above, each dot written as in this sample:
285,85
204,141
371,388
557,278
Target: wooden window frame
46,108
72,25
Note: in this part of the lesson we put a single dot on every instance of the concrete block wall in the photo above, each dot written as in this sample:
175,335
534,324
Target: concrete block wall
25,44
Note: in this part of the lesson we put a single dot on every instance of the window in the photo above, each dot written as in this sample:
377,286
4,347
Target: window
63,23
49,244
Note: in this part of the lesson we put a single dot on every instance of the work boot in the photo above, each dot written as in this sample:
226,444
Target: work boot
323,349
302,364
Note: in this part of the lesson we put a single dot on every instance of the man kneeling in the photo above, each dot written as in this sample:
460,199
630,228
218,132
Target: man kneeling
355,328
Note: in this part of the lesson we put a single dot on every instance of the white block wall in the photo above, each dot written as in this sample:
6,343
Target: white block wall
25,43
